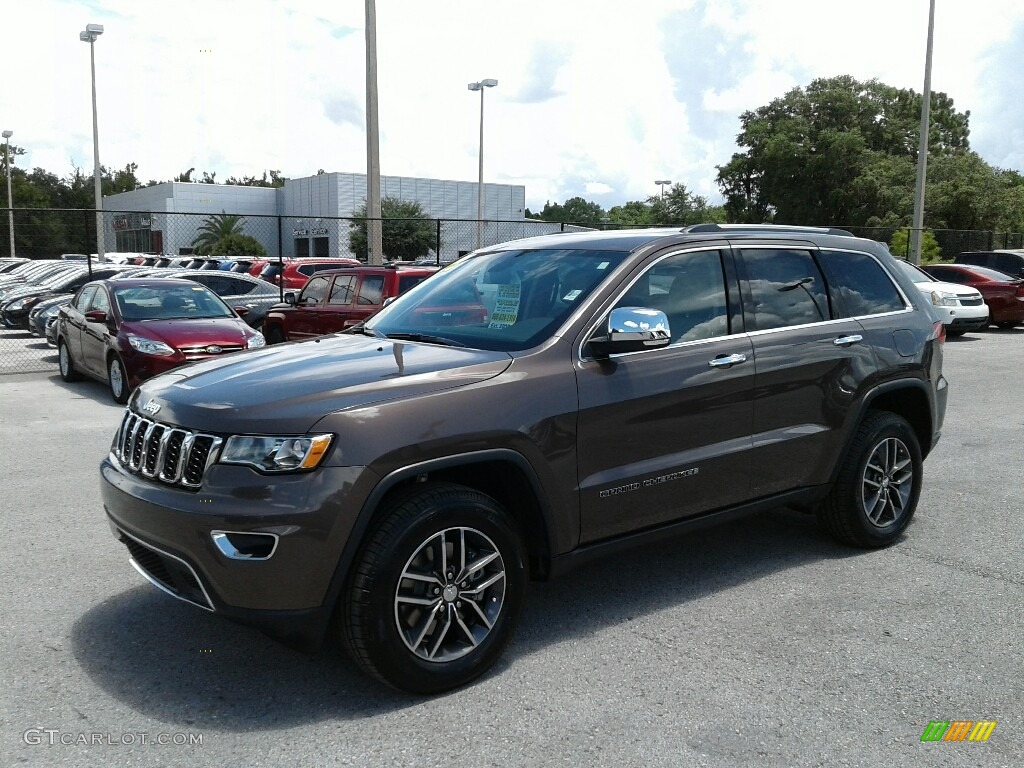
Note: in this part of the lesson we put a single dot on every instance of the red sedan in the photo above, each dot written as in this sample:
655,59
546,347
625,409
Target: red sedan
1003,294
125,331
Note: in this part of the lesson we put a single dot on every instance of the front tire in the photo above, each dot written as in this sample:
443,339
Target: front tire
876,494
436,590
68,372
118,380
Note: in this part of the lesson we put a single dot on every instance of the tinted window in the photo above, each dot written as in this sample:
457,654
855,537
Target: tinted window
341,291
862,285
405,282
371,290
83,299
690,289
151,302
314,291
1009,263
786,288
270,271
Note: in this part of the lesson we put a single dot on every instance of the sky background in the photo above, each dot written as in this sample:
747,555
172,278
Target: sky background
594,98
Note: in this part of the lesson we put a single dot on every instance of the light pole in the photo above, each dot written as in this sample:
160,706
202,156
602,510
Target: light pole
92,31
488,83
922,150
7,169
374,223
661,183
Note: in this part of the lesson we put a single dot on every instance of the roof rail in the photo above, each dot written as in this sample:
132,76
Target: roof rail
765,228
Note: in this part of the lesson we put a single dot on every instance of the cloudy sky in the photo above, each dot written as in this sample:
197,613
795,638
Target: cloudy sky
594,98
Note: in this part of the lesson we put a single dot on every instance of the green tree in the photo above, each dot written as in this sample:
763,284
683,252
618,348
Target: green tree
215,228
803,154
899,246
236,244
575,210
407,232
635,213
680,207
275,180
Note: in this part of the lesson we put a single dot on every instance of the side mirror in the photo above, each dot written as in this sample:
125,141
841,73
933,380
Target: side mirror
96,316
632,329
289,298
241,311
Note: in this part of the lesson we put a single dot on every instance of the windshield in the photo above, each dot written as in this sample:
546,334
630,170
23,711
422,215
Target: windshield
503,301
149,302
914,273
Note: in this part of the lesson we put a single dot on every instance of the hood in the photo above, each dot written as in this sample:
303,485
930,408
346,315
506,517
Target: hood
223,331
959,290
286,389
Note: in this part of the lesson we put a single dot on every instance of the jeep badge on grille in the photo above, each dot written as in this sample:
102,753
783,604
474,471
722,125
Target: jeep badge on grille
151,407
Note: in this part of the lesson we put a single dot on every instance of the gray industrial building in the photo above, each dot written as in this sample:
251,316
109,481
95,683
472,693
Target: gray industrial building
307,216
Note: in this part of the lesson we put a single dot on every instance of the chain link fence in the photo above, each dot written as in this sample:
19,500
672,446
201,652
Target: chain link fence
50,233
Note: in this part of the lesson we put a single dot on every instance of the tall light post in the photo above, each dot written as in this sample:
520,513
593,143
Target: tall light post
92,31
374,223
661,183
922,150
7,169
479,86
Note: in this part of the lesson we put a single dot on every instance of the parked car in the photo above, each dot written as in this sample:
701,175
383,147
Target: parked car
125,331
962,308
45,310
294,274
32,272
336,299
1009,261
16,305
1003,294
394,487
249,296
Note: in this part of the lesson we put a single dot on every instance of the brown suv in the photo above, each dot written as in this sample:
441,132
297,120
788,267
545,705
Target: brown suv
338,299
395,486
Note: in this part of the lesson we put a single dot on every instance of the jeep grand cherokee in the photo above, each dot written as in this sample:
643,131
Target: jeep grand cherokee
394,487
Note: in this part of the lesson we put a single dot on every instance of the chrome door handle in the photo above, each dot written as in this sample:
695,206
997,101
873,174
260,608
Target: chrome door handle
845,341
727,360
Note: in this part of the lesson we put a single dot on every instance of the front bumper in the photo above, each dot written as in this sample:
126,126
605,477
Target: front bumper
169,532
963,318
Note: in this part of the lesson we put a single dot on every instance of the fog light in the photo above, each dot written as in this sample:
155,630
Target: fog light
245,546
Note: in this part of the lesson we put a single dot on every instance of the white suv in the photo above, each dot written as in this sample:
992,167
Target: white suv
961,308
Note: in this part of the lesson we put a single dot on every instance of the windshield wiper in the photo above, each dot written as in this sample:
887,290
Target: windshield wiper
364,331
425,337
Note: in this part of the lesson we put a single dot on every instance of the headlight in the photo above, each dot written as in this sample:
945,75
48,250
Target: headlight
275,453
256,341
149,346
949,300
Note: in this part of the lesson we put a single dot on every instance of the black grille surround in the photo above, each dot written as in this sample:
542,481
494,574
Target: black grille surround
163,452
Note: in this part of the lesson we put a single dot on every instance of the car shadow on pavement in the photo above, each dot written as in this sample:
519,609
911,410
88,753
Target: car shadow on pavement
181,665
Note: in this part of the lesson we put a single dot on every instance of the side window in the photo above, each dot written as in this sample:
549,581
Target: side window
100,301
341,291
370,290
82,300
786,288
949,275
690,289
861,284
314,291
305,269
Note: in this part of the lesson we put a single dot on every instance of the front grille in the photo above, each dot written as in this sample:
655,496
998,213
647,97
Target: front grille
170,454
968,301
167,572
212,350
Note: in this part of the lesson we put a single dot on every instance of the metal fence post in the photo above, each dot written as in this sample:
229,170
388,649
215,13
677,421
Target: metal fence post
437,246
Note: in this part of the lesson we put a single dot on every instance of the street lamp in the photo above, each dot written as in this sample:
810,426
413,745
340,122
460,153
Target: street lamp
7,169
488,83
92,31
922,151
661,183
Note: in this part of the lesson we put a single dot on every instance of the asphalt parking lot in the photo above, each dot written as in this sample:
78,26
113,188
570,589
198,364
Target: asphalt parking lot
757,643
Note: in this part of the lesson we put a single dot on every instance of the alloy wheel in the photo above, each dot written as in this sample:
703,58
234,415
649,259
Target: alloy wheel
887,483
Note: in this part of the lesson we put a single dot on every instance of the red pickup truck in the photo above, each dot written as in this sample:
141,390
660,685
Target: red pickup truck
337,299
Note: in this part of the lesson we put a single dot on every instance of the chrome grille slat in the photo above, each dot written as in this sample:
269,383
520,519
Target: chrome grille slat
163,452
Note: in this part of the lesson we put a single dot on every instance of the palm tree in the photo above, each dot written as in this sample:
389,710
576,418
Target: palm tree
216,227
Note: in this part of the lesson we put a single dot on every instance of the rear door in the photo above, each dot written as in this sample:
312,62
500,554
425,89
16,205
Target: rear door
338,313
809,365
664,434
96,336
73,320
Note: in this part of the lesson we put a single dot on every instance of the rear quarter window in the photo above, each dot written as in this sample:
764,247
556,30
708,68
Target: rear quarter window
860,285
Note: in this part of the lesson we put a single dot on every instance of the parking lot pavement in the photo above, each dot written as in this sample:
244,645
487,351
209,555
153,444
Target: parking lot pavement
757,643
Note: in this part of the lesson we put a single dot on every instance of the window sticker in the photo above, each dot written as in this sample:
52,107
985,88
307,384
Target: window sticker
571,295
603,265
506,306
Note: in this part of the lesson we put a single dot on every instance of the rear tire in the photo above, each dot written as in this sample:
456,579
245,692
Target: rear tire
951,334
876,493
435,592
1006,326
273,335
68,372
118,380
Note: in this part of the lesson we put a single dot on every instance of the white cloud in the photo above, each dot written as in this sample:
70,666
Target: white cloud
593,99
